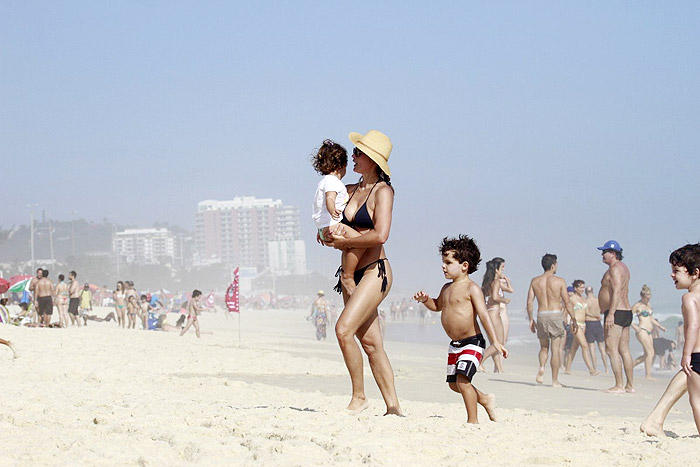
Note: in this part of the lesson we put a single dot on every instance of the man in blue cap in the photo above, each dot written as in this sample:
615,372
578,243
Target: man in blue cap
614,302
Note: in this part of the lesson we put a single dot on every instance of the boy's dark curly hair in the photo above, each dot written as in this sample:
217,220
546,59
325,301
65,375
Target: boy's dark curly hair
687,256
330,157
464,249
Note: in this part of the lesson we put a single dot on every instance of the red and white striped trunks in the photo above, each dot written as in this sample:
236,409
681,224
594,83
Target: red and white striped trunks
464,356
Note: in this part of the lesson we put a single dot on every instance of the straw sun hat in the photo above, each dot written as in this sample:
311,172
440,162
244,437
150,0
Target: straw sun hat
376,145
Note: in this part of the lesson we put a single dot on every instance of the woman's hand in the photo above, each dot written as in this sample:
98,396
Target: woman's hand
338,242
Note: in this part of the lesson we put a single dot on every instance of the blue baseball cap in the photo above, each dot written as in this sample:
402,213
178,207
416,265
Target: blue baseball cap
611,245
570,288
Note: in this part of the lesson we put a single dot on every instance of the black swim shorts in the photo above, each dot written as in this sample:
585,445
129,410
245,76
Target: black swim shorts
45,305
594,332
695,362
622,317
73,306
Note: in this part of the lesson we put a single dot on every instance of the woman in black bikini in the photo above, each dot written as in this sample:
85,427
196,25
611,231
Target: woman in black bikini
368,211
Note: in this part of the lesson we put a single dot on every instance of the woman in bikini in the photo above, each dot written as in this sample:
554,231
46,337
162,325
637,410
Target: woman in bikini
580,306
193,310
369,211
120,304
645,329
493,292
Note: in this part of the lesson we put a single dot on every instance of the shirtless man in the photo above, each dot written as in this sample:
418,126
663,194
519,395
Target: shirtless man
550,292
32,286
594,329
617,315
44,298
74,291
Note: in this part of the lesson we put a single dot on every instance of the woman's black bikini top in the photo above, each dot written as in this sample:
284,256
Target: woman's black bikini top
362,220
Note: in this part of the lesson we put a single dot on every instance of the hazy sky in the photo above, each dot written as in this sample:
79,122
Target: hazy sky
533,126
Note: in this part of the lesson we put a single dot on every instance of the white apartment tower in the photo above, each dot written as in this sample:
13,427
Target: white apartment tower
250,232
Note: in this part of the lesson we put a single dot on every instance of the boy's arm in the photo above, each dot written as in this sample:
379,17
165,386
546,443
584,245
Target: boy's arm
479,306
691,327
530,302
330,204
432,304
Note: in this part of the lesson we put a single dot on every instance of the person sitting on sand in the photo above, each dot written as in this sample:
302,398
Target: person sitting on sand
644,330
579,305
550,292
460,302
193,310
110,317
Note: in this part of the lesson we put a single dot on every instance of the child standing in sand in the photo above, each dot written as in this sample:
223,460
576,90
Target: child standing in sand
330,200
461,301
193,310
685,267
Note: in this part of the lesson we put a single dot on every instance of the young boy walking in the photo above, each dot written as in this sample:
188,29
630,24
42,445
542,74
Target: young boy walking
460,301
685,272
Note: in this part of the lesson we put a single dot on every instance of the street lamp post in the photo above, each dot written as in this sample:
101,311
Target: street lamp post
72,225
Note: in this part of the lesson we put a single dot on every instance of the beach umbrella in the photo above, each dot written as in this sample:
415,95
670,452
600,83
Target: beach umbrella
19,277
4,285
20,286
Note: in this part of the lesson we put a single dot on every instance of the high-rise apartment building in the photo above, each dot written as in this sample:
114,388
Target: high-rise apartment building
247,232
147,246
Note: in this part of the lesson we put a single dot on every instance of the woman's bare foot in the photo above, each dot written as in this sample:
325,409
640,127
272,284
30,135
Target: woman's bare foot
557,384
540,375
490,406
356,406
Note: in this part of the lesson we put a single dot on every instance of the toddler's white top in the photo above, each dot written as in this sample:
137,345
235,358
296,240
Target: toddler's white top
320,215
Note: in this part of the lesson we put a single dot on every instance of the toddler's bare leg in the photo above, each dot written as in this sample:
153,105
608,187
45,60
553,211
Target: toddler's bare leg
469,395
350,258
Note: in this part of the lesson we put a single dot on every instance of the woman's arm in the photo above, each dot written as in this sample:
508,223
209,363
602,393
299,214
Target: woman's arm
495,296
507,287
383,206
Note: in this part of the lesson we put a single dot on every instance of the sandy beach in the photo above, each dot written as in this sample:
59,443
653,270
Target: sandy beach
105,396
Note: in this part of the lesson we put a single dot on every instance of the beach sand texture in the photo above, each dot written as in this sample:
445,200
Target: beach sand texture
106,396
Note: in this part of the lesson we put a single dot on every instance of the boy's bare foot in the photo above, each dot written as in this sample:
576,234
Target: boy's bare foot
652,428
482,369
540,375
394,411
614,390
490,406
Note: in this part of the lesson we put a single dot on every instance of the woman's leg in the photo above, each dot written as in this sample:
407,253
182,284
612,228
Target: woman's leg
359,317
495,316
505,320
189,323
570,356
648,345
580,338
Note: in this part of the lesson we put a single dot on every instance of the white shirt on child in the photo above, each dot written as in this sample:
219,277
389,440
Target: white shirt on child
320,214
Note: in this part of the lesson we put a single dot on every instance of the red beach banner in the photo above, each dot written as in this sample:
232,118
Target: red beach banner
232,295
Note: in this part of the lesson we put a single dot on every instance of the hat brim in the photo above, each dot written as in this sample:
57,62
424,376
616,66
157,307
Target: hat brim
371,153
